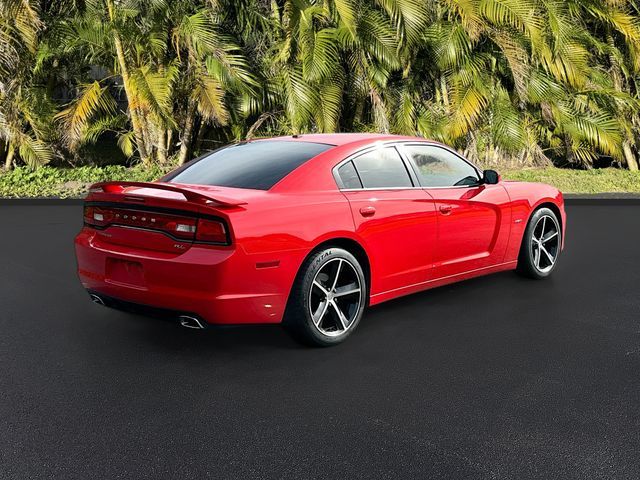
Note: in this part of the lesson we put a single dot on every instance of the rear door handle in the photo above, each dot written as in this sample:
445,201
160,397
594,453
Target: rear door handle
368,211
445,209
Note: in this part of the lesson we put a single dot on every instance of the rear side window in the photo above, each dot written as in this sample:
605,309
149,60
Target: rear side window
349,176
257,165
382,168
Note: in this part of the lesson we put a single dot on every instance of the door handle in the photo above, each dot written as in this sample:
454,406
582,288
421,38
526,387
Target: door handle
368,211
446,209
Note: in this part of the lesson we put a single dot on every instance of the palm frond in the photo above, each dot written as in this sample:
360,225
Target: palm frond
34,152
209,96
92,100
127,143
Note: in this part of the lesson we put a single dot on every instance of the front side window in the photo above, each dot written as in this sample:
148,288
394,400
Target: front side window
382,168
256,165
438,167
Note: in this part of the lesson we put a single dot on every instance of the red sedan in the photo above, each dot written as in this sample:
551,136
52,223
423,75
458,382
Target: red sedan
308,230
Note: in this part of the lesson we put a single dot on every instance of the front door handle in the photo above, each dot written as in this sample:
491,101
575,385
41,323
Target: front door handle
368,211
446,209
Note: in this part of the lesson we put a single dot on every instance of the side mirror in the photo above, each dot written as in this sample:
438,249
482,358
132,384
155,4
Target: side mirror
490,177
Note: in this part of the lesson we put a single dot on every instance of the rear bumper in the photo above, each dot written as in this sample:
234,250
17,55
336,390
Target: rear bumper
218,285
119,304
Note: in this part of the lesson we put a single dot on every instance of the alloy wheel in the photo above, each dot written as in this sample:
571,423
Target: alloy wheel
545,243
335,297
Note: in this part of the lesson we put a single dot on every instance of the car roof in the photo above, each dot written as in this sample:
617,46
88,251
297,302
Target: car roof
339,139
316,174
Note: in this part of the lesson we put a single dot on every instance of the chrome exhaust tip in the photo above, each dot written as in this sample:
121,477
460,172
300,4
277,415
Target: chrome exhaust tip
190,322
96,299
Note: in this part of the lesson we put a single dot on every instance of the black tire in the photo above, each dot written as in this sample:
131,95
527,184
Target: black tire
307,297
533,261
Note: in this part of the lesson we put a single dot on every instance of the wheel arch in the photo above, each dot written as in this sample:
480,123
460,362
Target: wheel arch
350,245
524,266
543,203
551,206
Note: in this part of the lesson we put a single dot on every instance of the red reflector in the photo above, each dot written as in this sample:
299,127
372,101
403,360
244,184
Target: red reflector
211,231
88,214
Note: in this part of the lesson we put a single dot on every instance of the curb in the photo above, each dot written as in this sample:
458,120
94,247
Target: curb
602,199
570,199
41,201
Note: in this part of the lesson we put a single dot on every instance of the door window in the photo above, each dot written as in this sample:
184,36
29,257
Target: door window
438,167
382,168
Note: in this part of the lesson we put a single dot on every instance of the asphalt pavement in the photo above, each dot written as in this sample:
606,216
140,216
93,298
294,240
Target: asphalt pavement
494,378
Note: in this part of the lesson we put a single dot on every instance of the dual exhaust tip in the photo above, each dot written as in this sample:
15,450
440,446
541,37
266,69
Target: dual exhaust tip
191,322
96,299
186,321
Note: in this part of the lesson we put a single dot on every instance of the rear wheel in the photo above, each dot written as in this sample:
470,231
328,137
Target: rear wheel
541,245
327,299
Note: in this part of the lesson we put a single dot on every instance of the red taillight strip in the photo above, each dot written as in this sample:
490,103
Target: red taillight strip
177,224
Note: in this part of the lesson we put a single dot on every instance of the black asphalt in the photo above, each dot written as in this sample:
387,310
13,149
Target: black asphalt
493,378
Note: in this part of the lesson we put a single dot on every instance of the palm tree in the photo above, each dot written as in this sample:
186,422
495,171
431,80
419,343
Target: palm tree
526,82
175,70
25,110
618,31
510,78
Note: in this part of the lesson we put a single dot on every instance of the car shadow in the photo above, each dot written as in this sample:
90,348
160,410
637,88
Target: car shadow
167,334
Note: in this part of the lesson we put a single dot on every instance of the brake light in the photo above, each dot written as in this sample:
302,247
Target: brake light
97,216
211,231
177,226
88,214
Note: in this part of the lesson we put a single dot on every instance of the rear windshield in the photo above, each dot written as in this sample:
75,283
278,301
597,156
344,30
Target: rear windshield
257,165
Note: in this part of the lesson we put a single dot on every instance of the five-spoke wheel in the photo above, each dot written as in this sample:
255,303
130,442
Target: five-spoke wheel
328,298
335,297
541,244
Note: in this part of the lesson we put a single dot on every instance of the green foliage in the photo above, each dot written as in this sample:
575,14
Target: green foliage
69,182
74,182
580,181
526,82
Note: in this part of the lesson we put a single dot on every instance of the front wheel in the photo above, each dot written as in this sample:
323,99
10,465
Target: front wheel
541,245
327,299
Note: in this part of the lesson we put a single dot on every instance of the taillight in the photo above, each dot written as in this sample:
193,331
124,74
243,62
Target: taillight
211,231
88,214
97,216
177,226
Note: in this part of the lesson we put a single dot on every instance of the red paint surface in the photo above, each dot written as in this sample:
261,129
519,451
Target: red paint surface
414,238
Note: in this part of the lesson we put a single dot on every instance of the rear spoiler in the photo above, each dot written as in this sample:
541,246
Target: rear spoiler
190,194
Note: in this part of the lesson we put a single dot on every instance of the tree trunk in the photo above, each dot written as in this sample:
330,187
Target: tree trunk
187,134
149,129
161,140
379,111
445,91
632,162
8,162
135,121
202,129
126,80
571,158
169,142
618,83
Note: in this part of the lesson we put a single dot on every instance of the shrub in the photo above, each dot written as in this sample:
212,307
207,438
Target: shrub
69,182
